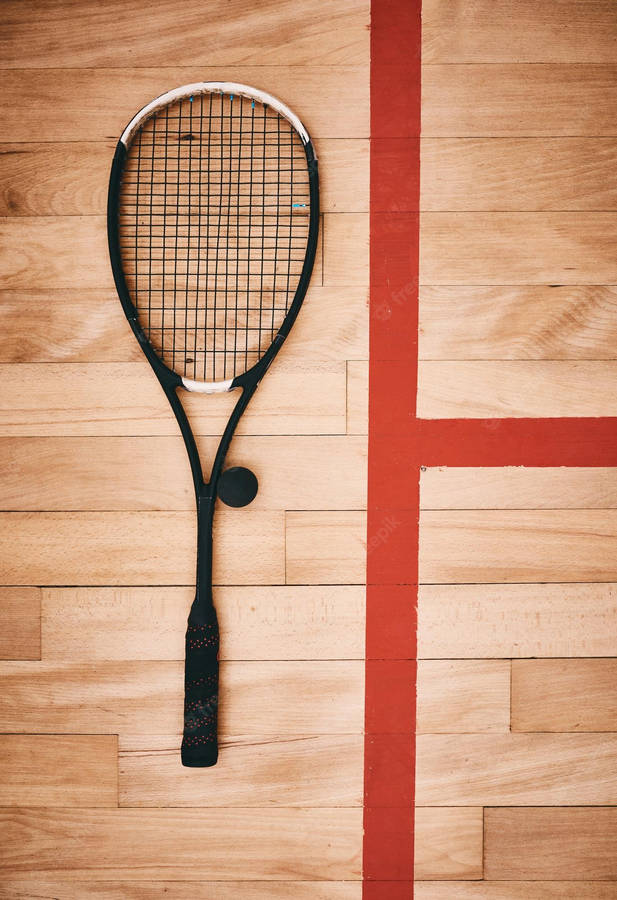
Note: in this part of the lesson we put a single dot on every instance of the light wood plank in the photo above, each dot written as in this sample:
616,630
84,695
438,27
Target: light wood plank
127,698
137,548
325,547
184,844
509,389
357,397
53,34
256,623
461,248
77,770
448,843
458,621
564,695
459,696
125,398
20,623
538,844
462,174
516,770
89,326
320,771
331,107
153,472
487,546
510,890
70,179
528,322
59,889
345,249
518,487
519,101
501,31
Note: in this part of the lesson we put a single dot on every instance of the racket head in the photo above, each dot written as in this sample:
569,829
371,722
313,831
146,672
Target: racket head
213,219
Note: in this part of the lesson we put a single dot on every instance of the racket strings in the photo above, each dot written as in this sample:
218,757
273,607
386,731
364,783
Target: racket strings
213,225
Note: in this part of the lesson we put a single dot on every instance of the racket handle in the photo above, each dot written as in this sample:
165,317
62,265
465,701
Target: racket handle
201,682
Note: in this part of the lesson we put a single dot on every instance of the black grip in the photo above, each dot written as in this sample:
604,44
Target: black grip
201,688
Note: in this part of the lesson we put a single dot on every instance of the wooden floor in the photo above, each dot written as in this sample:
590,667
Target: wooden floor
517,718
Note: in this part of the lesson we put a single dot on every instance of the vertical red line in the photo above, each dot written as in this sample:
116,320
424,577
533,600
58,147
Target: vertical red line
393,493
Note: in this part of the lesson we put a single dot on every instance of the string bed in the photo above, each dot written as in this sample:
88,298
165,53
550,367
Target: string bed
213,230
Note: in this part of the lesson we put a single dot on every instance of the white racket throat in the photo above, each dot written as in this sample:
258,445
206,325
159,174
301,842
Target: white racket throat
207,387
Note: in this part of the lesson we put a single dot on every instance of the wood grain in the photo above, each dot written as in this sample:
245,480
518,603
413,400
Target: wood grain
518,322
256,623
220,845
508,890
261,699
69,889
516,770
125,398
20,623
331,107
345,249
357,397
448,843
152,472
518,174
316,771
463,248
325,547
564,31
71,178
72,325
52,770
459,696
538,844
518,487
564,695
509,100
55,34
137,548
458,621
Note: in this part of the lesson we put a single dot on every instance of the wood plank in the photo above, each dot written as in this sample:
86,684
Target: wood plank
127,698
20,623
256,623
134,548
524,322
125,398
516,770
448,843
564,695
326,547
499,31
70,179
508,890
518,487
89,326
317,771
509,100
345,249
59,889
459,696
52,252
331,107
458,621
357,396
537,844
139,845
462,174
53,34
462,248
77,770
511,389
153,473
487,546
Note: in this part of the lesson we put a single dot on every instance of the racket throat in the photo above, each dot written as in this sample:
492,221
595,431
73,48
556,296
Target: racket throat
203,602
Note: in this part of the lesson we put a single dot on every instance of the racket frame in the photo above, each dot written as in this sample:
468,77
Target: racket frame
170,381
